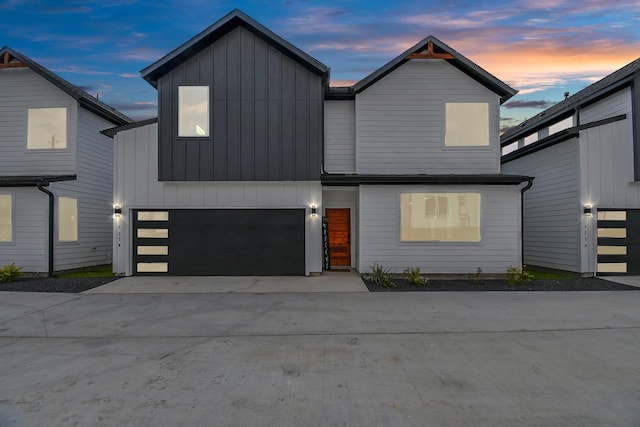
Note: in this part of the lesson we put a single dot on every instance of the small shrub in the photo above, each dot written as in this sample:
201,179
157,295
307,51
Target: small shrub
10,272
381,276
414,277
475,277
517,276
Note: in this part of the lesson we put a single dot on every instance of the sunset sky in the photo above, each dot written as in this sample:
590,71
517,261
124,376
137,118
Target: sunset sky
542,48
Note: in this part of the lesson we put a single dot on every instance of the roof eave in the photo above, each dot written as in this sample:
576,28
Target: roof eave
204,38
461,62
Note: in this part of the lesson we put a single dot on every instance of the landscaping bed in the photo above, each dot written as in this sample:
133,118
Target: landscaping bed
54,284
462,285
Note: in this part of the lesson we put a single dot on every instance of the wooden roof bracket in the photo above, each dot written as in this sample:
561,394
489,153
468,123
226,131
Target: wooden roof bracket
430,54
6,62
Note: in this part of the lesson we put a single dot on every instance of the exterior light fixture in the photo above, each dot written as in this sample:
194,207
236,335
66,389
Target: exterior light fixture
314,210
117,210
588,209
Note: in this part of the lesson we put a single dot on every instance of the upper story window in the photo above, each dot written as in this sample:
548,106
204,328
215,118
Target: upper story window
67,219
440,217
6,218
193,111
47,128
467,124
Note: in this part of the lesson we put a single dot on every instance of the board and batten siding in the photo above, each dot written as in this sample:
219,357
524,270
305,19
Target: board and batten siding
400,122
611,106
94,190
266,115
379,232
137,187
339,137
30,215
606,153
22,89
552,208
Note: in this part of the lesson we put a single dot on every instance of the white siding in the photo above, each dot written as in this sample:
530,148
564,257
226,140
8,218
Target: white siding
22,89
94,191
339,137
400,122
613,105
30,239
137,186
552,208
606,153
380,227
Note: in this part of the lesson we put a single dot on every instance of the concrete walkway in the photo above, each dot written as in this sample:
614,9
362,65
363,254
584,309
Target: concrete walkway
328,281
625,280
321,359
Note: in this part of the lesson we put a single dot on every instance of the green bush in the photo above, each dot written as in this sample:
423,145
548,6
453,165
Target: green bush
414,277
10,272
517,276
381,276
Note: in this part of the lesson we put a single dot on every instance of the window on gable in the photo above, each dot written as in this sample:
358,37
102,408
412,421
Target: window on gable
466,124
440,217
193,111
67,219
47,128
6,219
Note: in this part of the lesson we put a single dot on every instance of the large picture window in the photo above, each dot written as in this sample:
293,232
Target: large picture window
440,217
467,124
6,218
193,111
47,128
67,219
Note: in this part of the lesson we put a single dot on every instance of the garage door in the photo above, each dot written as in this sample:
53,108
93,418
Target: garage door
219,242
618,241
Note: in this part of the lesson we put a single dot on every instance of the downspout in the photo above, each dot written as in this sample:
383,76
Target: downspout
522,191
51,208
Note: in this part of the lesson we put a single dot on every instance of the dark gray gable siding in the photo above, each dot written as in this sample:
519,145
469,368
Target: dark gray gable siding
266,115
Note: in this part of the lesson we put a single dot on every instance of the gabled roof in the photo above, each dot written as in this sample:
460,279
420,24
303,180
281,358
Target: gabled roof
234,19
9,58
598,90
436,49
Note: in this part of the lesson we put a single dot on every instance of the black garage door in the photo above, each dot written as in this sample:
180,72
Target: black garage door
220,242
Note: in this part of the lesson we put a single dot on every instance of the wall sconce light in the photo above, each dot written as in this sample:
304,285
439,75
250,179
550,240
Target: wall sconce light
314,210
117,210
588,209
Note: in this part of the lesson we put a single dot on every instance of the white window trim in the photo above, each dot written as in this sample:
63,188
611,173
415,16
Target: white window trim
208,134
12,214
444,124
457,190
47,150
67,242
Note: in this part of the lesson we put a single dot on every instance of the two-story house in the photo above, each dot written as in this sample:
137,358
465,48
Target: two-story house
583,214
56,170
252,150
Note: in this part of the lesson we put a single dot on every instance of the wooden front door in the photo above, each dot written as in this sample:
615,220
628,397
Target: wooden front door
339,230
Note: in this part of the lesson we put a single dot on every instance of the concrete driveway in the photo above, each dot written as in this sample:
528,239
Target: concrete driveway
321,359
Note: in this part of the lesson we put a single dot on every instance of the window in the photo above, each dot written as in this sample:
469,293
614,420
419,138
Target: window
193,111
47,129
67,219
6,219
440,217
466,124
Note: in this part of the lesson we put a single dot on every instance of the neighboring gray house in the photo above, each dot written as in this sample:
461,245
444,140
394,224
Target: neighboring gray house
56,170
252,149
583,213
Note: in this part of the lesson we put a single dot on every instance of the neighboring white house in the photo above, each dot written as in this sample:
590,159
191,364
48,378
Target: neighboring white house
252,151
583,213
55,170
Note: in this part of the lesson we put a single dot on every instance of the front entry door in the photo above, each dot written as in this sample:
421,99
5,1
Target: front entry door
339,230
